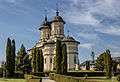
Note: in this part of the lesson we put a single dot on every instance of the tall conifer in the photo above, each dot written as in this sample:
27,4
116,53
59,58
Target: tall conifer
58,56
41,66
8,58
64,59
13,55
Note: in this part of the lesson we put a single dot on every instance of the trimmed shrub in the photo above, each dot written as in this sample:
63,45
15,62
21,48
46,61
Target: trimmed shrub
118,78
82,74
34,80
18,75
41,74
63,78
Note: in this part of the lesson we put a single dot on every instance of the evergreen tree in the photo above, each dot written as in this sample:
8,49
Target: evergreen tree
64,59
87,65
114,66
58,57
108,64
34,60
20,58
26,64
41,65
13,49
54,63
8,59
99,64
37,60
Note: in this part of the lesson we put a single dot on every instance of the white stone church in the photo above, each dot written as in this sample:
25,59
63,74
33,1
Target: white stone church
50,31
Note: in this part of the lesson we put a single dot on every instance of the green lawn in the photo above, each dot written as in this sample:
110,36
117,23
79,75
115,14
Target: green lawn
102,79
99,79
12,80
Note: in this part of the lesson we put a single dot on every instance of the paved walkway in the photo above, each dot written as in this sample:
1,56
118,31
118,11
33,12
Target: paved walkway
46,79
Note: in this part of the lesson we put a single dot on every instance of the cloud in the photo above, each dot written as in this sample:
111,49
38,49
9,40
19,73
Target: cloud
86,45
13,1
77,17
112,30
82,11
115,54
89,36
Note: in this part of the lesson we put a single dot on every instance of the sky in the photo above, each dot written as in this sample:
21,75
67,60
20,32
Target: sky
94,23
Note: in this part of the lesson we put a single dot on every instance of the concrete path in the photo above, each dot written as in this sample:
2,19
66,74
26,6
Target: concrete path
46,79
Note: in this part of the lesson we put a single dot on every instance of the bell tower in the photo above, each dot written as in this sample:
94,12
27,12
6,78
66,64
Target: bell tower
57,26
45,30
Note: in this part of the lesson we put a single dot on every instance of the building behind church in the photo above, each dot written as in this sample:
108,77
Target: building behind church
50,31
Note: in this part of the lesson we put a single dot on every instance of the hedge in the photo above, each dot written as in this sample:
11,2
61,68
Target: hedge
40,74
82,74
63,78
32,78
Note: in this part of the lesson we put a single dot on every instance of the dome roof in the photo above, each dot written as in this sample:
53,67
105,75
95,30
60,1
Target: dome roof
45,24
58,19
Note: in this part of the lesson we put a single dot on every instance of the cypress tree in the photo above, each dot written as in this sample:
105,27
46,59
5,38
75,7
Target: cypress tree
41,66
64,59
27,64
22,51
87,65
20,58
13,55
108,64
8,58
100,63
34,60
54,63
37,60
58,56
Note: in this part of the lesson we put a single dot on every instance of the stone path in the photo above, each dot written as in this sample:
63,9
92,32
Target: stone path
46,79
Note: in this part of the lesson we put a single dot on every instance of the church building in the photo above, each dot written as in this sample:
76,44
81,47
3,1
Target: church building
50,31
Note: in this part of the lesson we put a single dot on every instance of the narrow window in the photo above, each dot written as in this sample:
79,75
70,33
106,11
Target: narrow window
50,60
75,59
45,60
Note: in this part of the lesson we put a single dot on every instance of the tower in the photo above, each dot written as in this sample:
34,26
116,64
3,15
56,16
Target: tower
57,26
45,30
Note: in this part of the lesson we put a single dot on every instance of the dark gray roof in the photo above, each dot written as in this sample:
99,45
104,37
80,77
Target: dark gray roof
69,39
58,19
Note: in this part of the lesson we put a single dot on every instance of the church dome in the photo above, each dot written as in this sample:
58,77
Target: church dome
45,24
58,18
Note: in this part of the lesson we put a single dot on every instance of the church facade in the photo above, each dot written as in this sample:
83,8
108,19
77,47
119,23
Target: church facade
50,31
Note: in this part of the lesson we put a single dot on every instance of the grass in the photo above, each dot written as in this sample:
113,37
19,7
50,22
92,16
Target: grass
101,79
12,80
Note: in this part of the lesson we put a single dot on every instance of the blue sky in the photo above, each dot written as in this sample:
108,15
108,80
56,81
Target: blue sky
95,23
